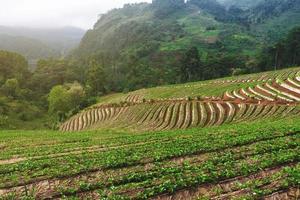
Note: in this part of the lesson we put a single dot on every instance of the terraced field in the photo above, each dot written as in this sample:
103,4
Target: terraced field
256,160
164,115
272,93
284,91
211,88
242,142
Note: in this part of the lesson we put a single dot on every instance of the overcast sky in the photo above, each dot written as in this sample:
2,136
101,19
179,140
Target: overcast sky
54,13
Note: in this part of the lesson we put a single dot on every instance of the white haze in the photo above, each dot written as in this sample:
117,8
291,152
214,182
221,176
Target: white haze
56,13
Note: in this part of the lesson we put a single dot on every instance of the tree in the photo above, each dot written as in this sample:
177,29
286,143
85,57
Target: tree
53,72
65,100
293,46
13,65
95,79
59,102
279,54
191,66
165,7
284,53
11,88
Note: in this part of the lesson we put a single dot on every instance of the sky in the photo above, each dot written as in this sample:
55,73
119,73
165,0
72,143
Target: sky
56,13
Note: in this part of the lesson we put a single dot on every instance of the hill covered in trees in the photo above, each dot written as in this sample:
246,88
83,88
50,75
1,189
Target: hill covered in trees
174,41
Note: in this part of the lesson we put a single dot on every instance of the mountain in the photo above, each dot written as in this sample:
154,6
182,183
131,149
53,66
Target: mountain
145,44
272,19
36,43
190,23
28,47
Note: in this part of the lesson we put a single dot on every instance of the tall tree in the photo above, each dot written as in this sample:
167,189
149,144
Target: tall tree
191,66
13,65
279,54
165,7
293,46
95,79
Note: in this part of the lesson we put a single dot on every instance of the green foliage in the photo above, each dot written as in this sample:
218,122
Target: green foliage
65,100
53,72
11,88
4,121
23,95
166,7
191,66
95,79
59,100
156,37
244,4
284,53
162,163
211,6
13,65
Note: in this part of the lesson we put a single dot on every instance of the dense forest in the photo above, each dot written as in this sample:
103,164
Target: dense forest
146,45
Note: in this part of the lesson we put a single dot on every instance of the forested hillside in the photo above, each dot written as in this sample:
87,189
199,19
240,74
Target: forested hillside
24,94
173,41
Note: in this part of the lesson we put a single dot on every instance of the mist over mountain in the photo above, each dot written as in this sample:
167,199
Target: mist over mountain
32,49
37,43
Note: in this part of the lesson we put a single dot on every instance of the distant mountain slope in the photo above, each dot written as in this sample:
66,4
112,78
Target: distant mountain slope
138,27
61,40
30,48
273,27
195,23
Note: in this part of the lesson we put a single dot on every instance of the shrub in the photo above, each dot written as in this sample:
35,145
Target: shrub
4,122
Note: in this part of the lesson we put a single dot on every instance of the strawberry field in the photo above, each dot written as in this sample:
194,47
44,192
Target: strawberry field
236,161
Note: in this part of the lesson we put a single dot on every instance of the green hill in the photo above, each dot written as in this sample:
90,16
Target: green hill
147,41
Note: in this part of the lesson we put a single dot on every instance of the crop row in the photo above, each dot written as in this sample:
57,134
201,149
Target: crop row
284,91
173,115
162,179
69,165
262,77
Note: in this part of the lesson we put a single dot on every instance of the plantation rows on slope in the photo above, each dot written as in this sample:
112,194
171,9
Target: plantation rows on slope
269,94
285,91
250,160
211,88
174,115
